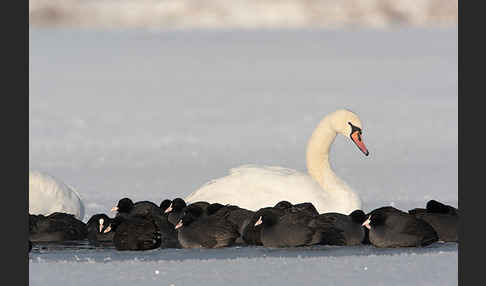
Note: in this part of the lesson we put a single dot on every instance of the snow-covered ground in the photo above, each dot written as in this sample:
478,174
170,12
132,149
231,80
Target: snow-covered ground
154,115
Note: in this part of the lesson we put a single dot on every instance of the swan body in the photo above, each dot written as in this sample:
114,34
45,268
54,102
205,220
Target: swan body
253,187
48,195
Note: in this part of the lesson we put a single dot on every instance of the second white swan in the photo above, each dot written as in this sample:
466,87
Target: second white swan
254,187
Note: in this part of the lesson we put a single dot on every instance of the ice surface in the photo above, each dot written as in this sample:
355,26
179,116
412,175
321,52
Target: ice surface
433,265
155,115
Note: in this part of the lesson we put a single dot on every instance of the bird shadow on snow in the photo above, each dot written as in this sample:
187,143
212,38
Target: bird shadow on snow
84,252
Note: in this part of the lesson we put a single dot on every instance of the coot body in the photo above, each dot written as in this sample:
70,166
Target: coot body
136,233
443,218
288,230
56,227
340,229
394,228
197,231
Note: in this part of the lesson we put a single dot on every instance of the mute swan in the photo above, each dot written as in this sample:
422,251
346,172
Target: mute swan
254,187
48,195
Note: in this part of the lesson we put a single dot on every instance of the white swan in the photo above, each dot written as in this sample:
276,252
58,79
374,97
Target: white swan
254,187
48,195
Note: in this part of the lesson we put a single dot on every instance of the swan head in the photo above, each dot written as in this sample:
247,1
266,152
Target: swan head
348,124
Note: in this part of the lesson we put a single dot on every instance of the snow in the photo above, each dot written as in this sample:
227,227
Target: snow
155,115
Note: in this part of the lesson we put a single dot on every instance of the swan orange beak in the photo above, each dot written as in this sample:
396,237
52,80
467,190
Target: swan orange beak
356,137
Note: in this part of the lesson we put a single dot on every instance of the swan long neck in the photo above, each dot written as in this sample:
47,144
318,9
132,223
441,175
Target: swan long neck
317,155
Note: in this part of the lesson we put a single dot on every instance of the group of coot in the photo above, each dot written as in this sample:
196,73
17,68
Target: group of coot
174,224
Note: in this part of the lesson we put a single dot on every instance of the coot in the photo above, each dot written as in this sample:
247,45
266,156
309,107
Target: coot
100,229
56,227
136,232
443,218
394,228
213,231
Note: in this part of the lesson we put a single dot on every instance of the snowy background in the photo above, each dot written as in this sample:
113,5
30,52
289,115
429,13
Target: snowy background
242,13
156,114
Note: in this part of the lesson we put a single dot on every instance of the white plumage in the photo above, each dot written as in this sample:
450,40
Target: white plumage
48,195
254,187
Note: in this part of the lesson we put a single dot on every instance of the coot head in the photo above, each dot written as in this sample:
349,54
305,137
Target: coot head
213,208
101,221
186,220
375,220
267,218
358,216
202,204
307,208
434,206
283,205
165,204
177,205
193,210
124,205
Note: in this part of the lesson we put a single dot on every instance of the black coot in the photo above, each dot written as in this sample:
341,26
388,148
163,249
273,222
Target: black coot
251,234
386,209
443,218
136,232
341,229
167,231
127,208
141,208
179,207
283,205
288,230
100,230
390,227
307,208
234,214
201,204
200,207
214,208
164,205
434,206
56,227
174,210
196,230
